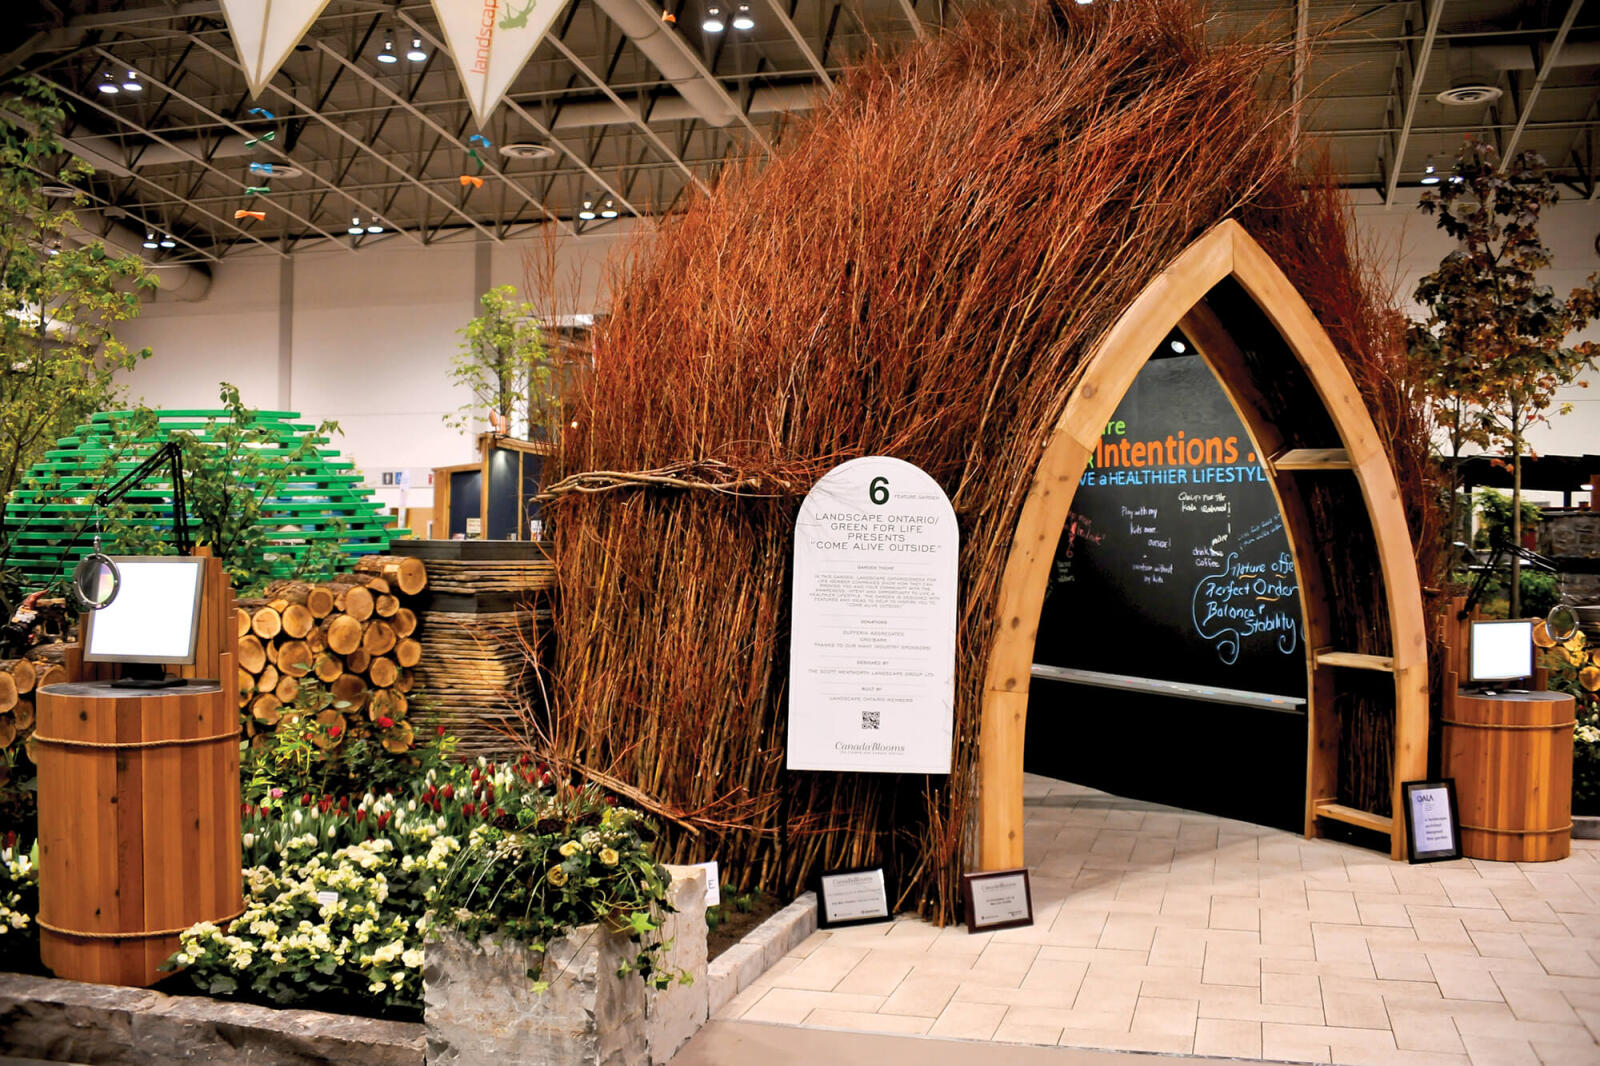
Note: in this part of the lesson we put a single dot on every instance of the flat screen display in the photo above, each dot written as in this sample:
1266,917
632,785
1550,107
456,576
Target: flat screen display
154,616
1501,651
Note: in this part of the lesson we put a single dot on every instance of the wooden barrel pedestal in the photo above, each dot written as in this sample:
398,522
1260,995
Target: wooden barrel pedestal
138,824
1511,757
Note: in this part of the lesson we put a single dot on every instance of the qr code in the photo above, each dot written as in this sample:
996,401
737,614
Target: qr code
869,719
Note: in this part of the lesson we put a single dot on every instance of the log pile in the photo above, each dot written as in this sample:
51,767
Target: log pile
357,634
485,602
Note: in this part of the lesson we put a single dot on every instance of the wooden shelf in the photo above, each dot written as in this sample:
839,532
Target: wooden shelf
1338,812
1312,459
1356,661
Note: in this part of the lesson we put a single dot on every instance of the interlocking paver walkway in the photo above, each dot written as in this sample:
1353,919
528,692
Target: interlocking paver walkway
1158,929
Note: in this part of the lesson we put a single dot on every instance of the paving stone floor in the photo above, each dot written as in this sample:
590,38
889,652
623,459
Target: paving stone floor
1164,930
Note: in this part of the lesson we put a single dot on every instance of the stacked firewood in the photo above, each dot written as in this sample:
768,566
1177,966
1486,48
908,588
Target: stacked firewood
19,679
355,634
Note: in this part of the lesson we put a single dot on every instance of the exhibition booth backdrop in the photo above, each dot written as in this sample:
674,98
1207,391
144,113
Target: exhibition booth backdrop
962,260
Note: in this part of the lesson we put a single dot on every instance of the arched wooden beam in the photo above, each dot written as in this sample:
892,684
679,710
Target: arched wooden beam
1226,250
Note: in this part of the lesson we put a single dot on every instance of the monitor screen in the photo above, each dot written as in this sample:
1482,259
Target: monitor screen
1501,651
154,618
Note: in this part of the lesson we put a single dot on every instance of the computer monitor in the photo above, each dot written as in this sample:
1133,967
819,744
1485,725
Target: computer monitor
154,618
1500,650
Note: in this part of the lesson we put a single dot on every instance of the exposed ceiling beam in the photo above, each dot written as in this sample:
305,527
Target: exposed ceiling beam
63,90
914,19
420,116
1538,83
538,127
805,46
639,123
269,146
1418,73
352,139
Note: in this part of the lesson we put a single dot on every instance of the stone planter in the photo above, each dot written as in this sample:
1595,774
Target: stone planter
480,1006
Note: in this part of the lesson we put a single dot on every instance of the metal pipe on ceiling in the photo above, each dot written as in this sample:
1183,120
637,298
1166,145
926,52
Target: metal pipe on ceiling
650,35
184,282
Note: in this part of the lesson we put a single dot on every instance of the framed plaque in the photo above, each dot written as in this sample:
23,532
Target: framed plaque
1433,832
999,899
852,897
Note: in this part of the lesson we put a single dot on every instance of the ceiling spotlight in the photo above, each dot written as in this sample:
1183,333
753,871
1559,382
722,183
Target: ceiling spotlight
150,240
588,210
1179,347
356,228
609,210
1430,176
416,54
713,22
167,241
742,19
131,83
387,55
374,228
109,85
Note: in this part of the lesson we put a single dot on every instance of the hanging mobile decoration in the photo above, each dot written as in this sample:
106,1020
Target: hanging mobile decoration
259,216
261,168
270,135
256,190
472,180
264,113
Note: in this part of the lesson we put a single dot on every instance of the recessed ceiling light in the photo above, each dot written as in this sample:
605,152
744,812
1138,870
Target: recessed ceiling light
1179,347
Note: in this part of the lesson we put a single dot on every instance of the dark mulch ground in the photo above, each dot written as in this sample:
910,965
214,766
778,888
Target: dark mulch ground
736,923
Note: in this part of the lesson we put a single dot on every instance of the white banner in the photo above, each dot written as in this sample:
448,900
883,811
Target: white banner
872,652
491,41
265,32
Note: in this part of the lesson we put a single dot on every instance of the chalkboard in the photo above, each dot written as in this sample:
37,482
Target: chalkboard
1174,564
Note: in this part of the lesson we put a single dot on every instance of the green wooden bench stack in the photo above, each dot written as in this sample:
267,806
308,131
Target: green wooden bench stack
321,500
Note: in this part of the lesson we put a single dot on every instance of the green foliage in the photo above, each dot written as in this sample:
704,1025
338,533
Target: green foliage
1494,518
743,902
1493,346
60,301
1574,667
19,903
230,454
504,365
341,892
555,861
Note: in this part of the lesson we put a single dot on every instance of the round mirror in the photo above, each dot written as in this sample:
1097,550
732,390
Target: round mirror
1561,623
95,581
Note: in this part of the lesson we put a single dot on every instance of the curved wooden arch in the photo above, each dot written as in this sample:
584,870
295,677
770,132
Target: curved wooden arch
1176,295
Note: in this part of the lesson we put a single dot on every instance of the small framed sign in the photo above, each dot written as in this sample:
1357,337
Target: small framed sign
852,897
1433,833
1000,899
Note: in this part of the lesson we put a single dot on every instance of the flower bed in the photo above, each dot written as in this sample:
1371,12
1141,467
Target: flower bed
340,893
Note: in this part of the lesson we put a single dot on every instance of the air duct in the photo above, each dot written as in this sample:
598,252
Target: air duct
177,281
652,36
763,101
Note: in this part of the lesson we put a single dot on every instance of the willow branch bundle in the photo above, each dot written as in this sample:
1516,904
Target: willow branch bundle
919,271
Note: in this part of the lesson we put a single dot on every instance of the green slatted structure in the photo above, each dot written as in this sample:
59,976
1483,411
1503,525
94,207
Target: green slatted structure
54,502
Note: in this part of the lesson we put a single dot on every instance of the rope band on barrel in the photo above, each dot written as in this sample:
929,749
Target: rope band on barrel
1510,832
143,934
1496,725
130,744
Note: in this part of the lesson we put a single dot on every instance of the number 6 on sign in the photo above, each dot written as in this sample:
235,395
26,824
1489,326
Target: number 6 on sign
873,647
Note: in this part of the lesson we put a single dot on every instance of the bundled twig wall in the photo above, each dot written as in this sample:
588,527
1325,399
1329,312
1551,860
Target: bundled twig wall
919,272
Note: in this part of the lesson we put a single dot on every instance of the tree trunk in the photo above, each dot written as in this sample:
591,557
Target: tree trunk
1515,610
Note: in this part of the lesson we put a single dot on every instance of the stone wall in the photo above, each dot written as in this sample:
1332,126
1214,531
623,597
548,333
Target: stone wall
67,1021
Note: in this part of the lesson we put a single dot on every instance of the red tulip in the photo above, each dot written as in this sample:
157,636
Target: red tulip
467,809
385,722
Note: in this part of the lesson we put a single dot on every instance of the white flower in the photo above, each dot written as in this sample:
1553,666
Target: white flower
412,958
